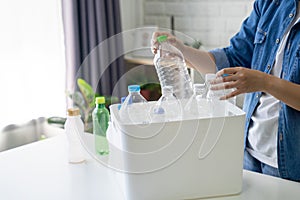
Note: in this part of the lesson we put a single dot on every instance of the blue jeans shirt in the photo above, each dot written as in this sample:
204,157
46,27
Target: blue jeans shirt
255,47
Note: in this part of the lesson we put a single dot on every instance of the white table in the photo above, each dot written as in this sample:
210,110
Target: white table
40,171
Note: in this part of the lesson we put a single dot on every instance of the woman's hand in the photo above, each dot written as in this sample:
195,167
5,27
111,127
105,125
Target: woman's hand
243,80
195,58
171,39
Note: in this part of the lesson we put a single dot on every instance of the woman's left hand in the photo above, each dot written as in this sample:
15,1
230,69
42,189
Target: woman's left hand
242,79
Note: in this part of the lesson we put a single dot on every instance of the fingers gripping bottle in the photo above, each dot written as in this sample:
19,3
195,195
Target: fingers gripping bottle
171,69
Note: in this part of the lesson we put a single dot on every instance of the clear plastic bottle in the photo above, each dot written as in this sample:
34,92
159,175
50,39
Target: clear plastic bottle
122,101
217,107
74,128
232,100
167,108
193,109
171,69
135,110
100,124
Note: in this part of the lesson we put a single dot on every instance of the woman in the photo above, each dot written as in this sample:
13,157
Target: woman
263,61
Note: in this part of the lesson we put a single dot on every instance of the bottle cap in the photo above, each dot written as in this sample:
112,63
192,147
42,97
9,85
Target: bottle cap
73,112
100,100
134,88
162,38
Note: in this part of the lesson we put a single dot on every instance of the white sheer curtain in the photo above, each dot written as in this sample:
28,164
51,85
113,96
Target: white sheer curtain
32,65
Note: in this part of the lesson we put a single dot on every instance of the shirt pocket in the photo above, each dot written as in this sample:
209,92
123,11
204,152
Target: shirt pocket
260,36
259,40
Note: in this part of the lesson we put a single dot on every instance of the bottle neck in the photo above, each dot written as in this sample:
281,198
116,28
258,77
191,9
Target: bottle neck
73,117
135,92
100,105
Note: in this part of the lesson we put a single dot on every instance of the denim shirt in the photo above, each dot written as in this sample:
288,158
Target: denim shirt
255,47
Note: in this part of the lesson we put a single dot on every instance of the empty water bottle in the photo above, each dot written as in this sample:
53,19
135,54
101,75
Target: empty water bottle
193,108
217,107
167,108
134,110
171,69
232,100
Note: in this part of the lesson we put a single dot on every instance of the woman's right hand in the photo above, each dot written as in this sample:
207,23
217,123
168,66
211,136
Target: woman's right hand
171,39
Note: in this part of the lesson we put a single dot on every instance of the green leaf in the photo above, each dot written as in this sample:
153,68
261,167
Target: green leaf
79,100
87,92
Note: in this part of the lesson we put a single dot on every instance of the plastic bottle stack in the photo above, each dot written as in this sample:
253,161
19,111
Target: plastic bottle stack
171,69
100,123
134,110
74,127
167,108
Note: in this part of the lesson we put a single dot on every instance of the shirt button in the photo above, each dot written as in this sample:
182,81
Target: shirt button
291,15
277,40
269,67
280,136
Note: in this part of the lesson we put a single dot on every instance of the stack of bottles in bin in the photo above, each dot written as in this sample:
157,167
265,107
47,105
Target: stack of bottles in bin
203,103
180,98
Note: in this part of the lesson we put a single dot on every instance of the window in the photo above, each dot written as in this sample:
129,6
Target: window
32,62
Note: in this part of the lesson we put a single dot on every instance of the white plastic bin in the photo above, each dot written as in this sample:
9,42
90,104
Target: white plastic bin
178,160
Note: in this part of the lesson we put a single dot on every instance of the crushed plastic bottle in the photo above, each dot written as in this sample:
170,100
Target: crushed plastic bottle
171,69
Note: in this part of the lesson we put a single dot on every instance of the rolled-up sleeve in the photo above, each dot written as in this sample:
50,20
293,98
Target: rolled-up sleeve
241,49
221,59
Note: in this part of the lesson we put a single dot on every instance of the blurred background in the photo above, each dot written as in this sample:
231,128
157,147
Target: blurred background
45,46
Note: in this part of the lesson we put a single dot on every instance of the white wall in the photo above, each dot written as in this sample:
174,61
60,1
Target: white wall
212,22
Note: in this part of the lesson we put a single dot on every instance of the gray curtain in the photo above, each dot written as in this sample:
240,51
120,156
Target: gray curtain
93,46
